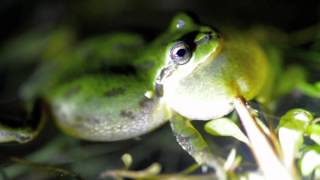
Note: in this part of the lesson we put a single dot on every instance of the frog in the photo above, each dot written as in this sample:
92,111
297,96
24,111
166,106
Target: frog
190,72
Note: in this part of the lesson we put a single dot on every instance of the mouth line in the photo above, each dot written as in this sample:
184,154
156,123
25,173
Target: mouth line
165,72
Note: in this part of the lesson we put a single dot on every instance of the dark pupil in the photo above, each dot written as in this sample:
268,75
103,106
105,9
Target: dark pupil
181,52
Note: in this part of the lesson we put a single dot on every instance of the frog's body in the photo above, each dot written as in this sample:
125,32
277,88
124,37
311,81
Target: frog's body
188,73
82,108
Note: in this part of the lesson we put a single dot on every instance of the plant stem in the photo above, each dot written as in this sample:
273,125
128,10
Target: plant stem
264,153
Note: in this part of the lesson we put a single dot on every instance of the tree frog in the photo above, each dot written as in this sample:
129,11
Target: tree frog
190,72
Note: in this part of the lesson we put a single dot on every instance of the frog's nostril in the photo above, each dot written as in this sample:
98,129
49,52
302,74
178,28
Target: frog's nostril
208,36
205,38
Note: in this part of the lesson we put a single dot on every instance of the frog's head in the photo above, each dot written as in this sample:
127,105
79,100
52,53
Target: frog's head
188,80
187,46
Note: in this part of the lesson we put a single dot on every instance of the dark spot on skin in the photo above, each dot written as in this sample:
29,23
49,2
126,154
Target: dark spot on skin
144,102
159,90
127,114
72,91
109,68
127,47
115,92
88,56
94,120
147,65
122,69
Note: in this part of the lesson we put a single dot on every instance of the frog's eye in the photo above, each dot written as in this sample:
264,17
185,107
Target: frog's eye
180,53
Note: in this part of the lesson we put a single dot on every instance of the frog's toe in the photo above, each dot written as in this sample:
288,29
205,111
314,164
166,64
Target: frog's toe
19,135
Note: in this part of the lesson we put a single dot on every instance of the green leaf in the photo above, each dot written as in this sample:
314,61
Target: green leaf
225,127
312,90
296,119
153,169
310,161
314,132
291,129
233,161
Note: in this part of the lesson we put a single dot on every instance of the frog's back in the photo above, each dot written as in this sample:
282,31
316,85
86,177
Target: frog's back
105,108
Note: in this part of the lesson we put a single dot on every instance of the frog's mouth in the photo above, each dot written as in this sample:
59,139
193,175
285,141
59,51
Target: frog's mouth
164,73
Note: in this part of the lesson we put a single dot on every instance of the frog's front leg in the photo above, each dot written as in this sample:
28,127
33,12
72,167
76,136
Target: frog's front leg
192,142
21,135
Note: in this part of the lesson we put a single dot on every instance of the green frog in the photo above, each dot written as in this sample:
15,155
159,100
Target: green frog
122,88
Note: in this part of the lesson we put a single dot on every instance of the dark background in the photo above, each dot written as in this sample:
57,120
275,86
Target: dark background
98,16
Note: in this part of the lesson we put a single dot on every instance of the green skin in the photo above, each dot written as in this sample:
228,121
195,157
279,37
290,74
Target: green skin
96,105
